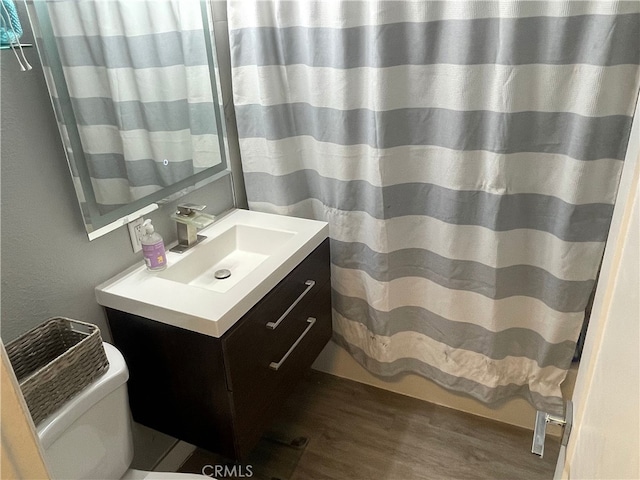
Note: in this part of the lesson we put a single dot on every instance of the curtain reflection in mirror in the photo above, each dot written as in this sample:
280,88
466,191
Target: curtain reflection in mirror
139,83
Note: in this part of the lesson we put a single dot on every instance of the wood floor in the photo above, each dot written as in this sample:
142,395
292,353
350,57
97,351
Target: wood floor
358,432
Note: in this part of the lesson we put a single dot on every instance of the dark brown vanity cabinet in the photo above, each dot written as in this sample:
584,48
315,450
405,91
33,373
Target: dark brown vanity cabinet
222,393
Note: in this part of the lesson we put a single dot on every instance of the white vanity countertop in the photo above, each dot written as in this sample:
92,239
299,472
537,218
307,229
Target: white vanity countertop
152,295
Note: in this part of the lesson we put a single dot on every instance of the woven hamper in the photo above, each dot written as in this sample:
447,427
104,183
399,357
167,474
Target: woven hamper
55,361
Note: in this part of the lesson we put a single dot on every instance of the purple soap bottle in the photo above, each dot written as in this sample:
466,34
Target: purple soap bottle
153,250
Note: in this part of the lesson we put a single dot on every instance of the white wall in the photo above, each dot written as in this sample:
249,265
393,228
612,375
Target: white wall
605,440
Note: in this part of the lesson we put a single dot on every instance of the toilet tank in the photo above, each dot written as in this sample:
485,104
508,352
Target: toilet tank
89,437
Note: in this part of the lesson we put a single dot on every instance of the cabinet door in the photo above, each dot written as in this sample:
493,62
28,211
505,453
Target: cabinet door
176,380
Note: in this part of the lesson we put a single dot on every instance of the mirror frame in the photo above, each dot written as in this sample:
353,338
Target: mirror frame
97,224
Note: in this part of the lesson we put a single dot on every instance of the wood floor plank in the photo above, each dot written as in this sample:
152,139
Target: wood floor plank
359,432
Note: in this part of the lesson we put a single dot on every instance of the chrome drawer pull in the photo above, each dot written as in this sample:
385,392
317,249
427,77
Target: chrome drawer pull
274,325
276,366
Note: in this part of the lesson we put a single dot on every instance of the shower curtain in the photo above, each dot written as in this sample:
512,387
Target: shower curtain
466,156
138,79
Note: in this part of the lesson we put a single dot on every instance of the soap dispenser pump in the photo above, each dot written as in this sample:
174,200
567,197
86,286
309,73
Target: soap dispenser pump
153,250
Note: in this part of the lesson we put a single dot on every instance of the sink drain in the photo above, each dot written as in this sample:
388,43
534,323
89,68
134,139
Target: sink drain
222,274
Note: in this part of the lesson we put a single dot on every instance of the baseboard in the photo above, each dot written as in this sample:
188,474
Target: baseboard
336,361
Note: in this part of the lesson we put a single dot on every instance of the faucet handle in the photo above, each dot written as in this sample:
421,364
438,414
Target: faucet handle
187,209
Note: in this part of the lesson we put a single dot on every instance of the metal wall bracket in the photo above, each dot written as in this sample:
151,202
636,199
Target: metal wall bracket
540,429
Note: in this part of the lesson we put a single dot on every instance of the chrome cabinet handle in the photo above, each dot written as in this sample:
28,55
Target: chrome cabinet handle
275,366
274,325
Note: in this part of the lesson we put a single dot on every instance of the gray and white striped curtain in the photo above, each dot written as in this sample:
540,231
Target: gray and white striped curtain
138,79
467,157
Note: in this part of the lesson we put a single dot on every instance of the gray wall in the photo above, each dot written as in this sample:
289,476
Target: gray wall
221,33
48,265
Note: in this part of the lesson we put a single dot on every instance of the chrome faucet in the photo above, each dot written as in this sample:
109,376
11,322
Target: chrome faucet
189,220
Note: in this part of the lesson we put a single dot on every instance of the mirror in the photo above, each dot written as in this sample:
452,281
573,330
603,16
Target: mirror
135,91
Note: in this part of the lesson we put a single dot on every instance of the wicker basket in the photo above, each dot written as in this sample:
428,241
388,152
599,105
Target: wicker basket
55,361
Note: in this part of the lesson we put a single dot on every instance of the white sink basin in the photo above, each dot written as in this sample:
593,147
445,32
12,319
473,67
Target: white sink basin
258,250
238,250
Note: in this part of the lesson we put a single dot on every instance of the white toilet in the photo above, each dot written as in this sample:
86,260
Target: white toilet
90,436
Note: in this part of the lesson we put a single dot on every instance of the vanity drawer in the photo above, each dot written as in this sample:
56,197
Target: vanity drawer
279,318
264,365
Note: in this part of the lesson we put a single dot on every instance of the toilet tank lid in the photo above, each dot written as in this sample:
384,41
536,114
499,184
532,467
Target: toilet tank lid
59,421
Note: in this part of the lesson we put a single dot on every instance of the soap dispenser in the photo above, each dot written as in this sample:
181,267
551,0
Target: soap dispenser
153,248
